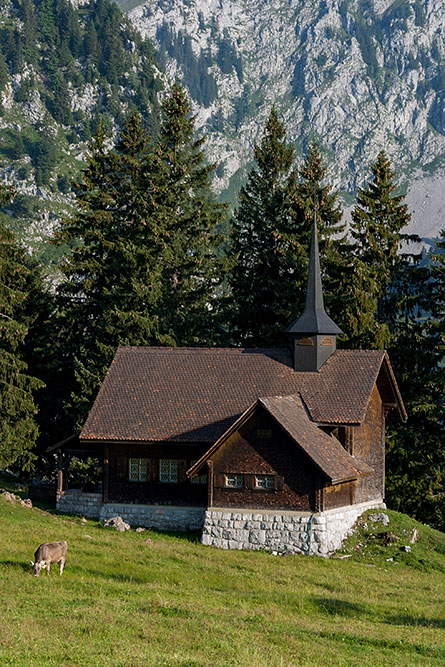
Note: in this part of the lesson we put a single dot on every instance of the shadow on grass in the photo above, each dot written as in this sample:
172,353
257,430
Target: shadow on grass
26,567
193,536
415,621
120,577
375,642
339,607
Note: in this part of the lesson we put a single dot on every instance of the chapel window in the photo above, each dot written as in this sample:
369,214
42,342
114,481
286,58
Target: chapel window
266,482
168,470
198,479
137,470
234,481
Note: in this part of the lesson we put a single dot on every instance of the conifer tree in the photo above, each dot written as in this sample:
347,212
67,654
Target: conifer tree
264,246
192,222
18,429
334,248
272,234
376,229
416,450
113,273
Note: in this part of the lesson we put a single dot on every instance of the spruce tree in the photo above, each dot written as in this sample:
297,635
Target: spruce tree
192,222
378,219
311,190
265,246
113,272
272,234
416,450
18,429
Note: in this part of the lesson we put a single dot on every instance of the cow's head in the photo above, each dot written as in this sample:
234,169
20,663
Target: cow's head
40,565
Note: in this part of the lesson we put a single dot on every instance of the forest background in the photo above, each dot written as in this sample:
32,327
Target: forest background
148,256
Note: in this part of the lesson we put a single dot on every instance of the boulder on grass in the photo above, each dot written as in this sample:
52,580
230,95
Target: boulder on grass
118,523
27,502
379,516
10,497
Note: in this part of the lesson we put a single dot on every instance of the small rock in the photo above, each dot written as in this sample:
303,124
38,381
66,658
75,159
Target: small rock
390,560
88,537
414,536
10,497
379,516
139,529
83,520
26,503
148,541
118,523
407,548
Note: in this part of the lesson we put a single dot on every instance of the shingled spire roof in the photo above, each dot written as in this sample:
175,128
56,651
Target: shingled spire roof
314,319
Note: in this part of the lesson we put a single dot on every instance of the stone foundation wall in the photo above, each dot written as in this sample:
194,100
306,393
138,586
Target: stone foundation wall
284,531
75,501
280,531
160,517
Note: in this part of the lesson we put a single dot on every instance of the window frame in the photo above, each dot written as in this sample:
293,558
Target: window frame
169,463
269,482
198,479
238,479
140,469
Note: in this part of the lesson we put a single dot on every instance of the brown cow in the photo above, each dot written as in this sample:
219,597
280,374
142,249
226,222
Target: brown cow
51,552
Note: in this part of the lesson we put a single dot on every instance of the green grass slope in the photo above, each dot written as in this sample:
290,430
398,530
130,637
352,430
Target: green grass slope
163,599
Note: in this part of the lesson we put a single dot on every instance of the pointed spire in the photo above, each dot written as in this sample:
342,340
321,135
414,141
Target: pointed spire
314,319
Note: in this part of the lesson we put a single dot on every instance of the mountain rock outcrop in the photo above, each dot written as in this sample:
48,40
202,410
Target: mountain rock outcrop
360,76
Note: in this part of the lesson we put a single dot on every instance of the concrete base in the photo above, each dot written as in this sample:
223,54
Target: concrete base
282,531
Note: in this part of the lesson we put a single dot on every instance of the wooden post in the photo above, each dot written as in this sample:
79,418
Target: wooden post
59,475
106,474
210,485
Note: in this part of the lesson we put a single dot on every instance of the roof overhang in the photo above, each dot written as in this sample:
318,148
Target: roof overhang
397,401
361,469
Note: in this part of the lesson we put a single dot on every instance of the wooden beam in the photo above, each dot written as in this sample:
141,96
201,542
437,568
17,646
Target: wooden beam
210,484
106,473
59,474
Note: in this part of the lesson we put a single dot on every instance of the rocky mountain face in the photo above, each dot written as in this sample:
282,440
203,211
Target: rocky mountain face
360,76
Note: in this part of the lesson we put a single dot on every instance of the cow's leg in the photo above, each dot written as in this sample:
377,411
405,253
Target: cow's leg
47,568
62,565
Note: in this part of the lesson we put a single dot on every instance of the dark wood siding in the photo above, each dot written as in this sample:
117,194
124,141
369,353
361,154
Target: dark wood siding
369,447
248,452
339,495
152,491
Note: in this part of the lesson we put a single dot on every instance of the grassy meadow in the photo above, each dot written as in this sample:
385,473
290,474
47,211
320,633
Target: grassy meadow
163,599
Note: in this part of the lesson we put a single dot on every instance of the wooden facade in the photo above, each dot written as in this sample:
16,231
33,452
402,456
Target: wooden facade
132,474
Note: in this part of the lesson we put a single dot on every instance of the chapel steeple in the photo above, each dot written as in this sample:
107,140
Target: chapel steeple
313,333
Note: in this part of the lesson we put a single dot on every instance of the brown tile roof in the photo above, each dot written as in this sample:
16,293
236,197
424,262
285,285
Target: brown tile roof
324,451
195,394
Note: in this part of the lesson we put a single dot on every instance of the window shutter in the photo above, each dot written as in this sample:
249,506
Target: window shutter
182,467
249,481
278,483
121,467
219,479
